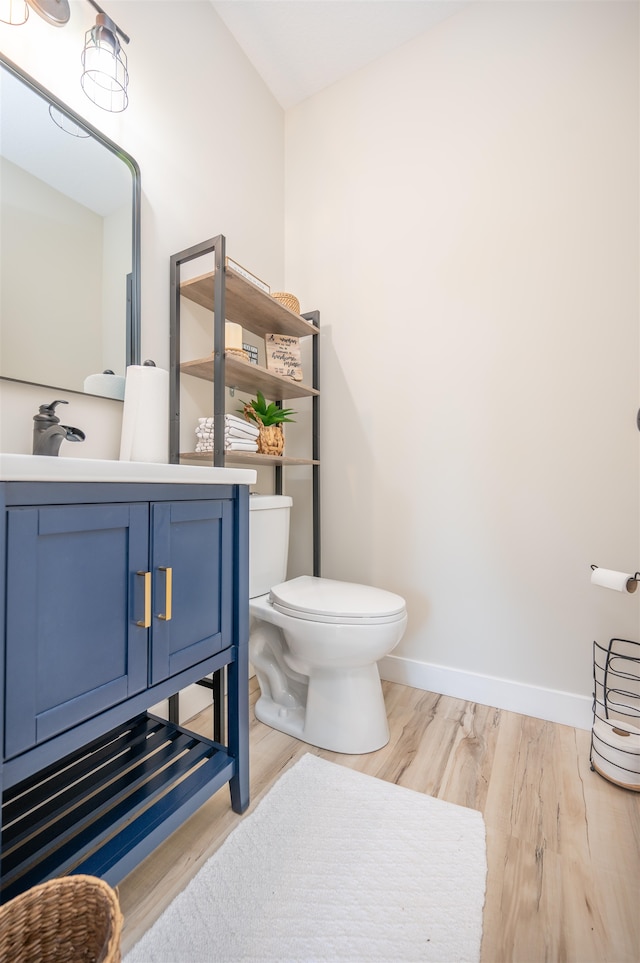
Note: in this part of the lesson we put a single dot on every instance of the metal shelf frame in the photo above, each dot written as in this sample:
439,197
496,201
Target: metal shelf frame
217,246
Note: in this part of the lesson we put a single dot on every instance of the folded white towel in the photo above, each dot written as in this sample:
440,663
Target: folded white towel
234,443
231,423
234,419
229,446
241,445
242,435
243,425
207,435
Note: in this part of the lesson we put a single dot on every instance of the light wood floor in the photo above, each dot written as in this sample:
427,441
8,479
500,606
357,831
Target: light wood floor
563,844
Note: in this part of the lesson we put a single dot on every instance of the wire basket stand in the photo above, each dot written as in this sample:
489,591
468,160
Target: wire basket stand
615,736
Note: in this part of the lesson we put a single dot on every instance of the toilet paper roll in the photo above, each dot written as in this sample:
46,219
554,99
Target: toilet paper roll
619,581
106,385
145,416
617,751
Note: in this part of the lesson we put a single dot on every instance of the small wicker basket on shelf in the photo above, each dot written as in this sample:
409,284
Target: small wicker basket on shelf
289,300
237,353
72,919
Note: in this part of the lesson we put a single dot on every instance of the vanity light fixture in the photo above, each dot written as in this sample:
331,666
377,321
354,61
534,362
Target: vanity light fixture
55,12
104,75
15,12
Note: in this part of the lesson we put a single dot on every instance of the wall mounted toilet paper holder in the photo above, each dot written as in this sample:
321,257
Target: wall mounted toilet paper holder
635,576
620,581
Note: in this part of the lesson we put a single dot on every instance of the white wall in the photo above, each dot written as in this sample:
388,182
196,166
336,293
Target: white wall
464,212
209,139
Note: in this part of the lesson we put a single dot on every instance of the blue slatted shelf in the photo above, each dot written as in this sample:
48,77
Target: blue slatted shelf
104,808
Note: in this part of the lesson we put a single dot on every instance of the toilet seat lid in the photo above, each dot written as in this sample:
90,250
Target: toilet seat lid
324,599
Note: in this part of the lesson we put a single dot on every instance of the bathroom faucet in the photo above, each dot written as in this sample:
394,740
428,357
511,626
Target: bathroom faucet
48,433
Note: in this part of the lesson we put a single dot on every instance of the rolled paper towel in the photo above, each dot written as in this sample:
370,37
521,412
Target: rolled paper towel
145,416
107,384
233,335
619,581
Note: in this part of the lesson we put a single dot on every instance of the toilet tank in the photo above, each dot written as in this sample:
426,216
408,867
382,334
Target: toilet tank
268,541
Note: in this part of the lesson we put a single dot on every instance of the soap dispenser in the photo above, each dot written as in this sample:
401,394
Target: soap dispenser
48,433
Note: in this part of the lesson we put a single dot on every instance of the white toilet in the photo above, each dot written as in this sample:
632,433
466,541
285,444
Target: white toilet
314,643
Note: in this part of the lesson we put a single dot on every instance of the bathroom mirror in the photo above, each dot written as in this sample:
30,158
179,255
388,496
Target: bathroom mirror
69,242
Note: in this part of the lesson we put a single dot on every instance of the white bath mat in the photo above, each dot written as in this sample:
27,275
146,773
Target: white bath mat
333,866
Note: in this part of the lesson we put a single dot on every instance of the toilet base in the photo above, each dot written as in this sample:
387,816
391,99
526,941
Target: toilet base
344,712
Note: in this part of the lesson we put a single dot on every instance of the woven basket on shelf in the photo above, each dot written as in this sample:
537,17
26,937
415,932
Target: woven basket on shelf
289,300
73,919
237,353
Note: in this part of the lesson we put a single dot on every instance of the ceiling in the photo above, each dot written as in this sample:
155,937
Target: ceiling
299,47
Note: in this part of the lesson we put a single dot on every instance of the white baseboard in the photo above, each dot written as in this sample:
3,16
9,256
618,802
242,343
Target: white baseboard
566,708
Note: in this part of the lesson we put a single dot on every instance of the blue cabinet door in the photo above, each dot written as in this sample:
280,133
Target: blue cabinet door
194,540
74,599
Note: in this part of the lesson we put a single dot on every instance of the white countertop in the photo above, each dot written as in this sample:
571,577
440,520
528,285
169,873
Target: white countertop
54,468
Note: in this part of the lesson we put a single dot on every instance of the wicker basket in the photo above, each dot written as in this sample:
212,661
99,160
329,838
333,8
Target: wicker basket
237,353
289,300
73,919
271,440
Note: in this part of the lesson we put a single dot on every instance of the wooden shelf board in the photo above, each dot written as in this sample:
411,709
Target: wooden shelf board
248,305
250,458
249,377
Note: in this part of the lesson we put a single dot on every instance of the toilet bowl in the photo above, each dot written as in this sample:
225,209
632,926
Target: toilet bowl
314,644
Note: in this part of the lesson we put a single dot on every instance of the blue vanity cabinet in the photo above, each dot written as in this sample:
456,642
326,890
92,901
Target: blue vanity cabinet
85,574
73,646
190,543
115,597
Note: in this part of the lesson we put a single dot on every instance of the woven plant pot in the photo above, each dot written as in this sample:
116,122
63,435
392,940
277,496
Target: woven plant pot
271,440
74,919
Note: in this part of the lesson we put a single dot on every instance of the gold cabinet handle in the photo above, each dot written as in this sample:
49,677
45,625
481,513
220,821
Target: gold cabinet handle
147,600
168,592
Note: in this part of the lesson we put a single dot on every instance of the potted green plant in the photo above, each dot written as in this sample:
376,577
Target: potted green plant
269,418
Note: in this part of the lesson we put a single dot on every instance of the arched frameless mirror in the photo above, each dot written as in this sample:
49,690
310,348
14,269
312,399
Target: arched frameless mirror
69,242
